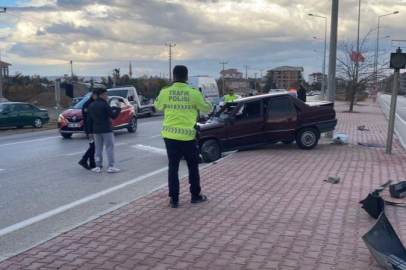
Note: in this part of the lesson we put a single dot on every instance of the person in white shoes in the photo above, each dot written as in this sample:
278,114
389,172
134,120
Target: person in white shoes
99,114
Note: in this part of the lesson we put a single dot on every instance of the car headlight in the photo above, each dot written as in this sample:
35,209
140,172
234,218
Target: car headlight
61,117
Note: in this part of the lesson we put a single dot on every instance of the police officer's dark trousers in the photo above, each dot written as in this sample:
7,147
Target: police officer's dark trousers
175,149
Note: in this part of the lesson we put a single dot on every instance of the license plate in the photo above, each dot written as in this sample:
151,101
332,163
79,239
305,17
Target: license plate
74,125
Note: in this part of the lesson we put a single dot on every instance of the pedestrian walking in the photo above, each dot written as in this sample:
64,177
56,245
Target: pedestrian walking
374,93
181,104
99,114
301,93
87,160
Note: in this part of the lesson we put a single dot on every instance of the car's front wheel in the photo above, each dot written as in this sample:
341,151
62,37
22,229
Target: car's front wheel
132,126
37,123
210,151
67,135
307,138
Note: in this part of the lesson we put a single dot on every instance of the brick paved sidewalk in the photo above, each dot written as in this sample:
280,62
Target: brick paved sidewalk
268,209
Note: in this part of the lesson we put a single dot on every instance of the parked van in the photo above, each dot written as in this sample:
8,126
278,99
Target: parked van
142,106
208,87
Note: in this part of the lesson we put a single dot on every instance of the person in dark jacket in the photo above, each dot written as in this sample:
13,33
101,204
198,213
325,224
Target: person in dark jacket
87,160
301,93
99,114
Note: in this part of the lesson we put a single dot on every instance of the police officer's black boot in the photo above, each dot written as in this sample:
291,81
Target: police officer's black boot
173,203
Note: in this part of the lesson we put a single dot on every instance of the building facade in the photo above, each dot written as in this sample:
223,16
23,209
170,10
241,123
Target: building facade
317,78
286,77
4,70
233,78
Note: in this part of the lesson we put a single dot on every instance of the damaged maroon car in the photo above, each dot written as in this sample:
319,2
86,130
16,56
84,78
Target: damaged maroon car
265,119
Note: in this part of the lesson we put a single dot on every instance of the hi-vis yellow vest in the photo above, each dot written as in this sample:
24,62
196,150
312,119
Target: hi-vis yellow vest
180,104
230,98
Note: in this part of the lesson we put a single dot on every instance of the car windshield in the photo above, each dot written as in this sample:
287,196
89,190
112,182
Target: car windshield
120,93
2,106
225,112
79,105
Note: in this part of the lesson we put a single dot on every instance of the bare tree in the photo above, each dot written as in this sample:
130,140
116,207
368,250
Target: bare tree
356,80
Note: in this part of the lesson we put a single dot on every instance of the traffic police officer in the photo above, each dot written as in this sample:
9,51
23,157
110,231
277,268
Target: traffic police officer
181,104
230,96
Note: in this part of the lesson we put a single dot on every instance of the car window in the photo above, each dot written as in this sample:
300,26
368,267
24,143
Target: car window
249,110
26,108
281,106
14,107
120,93
4,108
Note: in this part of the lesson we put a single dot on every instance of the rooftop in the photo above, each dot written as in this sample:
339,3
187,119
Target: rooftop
287,68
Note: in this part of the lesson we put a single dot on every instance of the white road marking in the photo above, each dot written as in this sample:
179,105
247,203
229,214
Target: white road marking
77,153
7,144
150,123
118,144
403,121
156,136
151,149
71,205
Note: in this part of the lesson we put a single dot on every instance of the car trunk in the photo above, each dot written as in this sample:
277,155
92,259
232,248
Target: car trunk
320,103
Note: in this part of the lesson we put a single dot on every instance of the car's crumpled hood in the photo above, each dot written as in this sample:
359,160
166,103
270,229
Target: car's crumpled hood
211,124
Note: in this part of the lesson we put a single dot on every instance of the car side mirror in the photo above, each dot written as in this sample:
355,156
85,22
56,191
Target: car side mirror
233,119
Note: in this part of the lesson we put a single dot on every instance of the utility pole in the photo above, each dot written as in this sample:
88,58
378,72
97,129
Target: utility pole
261,73
1,68
246,71
170,59
333,56
71,71
222,75
255,79
358,54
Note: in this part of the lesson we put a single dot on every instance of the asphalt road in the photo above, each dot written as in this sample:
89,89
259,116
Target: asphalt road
400,120
44,192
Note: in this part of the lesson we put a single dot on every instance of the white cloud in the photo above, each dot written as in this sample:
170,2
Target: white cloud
261,33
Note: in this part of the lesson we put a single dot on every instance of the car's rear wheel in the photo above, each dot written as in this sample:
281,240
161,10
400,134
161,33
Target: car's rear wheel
307,138
37,123
132,126
210,150
288,141
66,135
20,127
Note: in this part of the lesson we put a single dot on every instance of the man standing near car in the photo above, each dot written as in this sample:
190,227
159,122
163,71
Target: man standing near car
99,114
89,155
230,96
181,104
301,93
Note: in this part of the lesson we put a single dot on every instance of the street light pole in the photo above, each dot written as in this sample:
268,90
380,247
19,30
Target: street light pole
377,46
323,89
1,68
333,55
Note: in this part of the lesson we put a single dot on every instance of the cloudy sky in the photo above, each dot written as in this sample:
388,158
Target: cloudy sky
42,36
